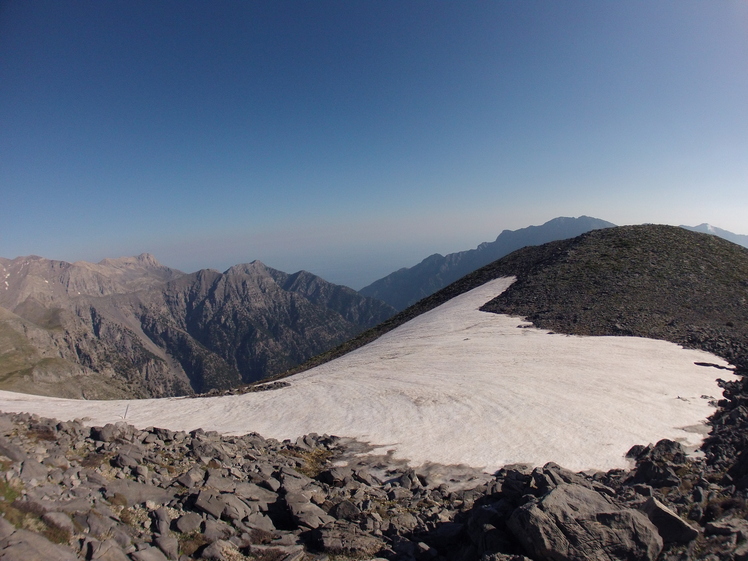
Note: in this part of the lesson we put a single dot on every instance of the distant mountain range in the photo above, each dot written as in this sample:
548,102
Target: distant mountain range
132,327
739,239
407,286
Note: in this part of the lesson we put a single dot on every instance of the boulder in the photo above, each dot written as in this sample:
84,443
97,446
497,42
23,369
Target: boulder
137,493
23,545
305,513
169,546
148,554
574,523
672,528
105,551
347,540
189,522
210,502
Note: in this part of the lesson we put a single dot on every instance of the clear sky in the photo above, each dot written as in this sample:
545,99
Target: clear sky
351,138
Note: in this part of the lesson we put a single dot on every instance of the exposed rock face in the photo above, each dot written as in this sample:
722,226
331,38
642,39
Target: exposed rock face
408,285
133,328
573,523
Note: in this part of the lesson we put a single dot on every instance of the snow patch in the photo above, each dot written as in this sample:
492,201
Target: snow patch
460,386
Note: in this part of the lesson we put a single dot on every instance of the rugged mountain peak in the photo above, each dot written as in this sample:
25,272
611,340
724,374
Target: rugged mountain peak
131,327
142,260
253,268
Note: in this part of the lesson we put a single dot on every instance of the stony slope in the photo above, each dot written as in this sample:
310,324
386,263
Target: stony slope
131,327
659,282
405,287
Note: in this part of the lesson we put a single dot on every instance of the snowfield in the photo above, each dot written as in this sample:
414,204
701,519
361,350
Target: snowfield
460,386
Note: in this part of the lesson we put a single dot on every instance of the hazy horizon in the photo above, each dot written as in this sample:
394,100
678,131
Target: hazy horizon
352,139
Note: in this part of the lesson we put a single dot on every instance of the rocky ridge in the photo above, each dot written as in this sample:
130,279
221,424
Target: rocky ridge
131,327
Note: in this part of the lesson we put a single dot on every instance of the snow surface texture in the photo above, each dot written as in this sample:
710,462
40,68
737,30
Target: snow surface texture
460,386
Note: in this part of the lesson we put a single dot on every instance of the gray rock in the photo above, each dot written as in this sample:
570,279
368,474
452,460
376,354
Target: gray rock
672,528
404,522
189,522
727,527
347,540
210,502
135,493
163,520
219,550
222,484
345,510
10,450
107,550
191,478
217,530
255,493
33,470
169,546
260,521
236,509
148,554
23,545
503,557
293,481
335,476
305,513
59,520
56,461
574,523
6,528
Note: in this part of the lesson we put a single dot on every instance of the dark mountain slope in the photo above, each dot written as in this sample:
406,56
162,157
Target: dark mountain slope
409,285
661,282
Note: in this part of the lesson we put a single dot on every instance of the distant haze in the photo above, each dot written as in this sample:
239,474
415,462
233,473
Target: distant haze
354,138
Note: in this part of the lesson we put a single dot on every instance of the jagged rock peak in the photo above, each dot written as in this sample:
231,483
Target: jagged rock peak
255,267
144,259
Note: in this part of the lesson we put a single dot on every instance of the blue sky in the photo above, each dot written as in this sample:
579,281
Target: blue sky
352,138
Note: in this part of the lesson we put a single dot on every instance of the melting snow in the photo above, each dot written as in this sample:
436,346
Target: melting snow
457,385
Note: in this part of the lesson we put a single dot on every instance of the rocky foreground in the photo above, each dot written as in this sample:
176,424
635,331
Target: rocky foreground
116,493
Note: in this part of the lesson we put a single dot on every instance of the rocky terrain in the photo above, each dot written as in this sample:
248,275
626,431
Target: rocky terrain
407,286
118,493
131,327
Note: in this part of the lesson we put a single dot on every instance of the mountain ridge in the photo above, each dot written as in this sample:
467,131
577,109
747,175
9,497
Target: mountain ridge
705,228
407,285
131,327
